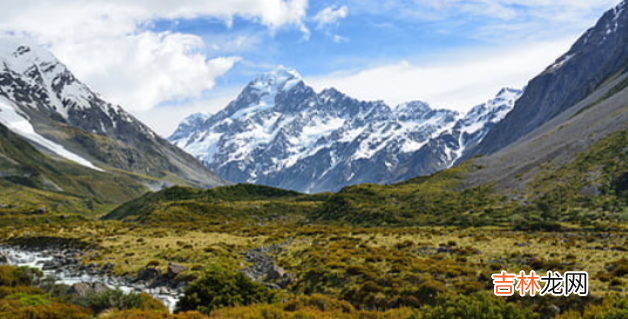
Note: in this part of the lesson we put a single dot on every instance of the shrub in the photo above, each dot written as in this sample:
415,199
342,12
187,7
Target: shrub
610,309
18,276
113,299
218,288
477,306
39,308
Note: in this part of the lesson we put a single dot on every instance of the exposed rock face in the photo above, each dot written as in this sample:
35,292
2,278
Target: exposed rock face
600,54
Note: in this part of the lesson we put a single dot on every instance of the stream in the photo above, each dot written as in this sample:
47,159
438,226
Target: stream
72,275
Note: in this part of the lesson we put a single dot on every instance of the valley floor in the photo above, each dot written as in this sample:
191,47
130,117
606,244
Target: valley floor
372,269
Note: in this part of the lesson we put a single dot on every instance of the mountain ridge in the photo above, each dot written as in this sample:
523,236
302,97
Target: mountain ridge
597,56
44,104
280,132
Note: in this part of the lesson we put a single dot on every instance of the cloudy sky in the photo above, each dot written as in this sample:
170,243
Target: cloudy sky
164,59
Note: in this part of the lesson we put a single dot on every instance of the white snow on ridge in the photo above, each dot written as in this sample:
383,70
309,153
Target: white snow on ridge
20,125
258,135
22,57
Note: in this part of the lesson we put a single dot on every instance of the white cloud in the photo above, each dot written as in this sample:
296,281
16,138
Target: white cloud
143,70
339,39
330,16
458,80
493,20
510,9
107,45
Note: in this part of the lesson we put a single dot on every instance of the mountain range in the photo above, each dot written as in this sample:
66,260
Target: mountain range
280,132
62,143
559,156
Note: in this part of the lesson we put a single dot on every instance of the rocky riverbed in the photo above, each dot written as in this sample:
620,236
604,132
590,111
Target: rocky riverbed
64,266
264,269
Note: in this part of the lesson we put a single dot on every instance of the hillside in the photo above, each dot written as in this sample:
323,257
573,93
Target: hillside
598,56
31,180
66,149
42,101
237,203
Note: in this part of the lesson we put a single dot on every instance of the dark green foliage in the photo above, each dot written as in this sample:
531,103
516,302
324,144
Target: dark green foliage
183,204
596,181
477,306
219,288
537,226
18,276
439,199
112,299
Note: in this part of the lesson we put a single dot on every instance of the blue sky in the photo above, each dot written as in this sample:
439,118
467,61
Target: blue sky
163,60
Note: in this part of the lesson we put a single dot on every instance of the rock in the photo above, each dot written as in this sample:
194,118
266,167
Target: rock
275,273
106,269
285,282
590,191
442,249
174,270
50,265
249,273
81,289
272,286
147,274
4,258
84,289
555,310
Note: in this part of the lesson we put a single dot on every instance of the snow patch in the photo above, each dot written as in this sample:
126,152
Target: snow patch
19,124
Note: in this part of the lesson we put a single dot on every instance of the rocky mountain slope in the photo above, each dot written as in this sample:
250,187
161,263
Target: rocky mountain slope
598,56
280,132
571,166
42,103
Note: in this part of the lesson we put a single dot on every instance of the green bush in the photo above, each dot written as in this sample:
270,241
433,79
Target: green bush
219,288
18,276
477,306
112,299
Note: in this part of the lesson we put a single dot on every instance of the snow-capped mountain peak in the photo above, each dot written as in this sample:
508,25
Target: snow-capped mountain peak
196,118
20,55
279,79
42,101
32,70
280,132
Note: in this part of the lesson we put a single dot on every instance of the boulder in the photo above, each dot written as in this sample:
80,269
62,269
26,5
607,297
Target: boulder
85,288
50,265
174,270
147,274
275,273
4,258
